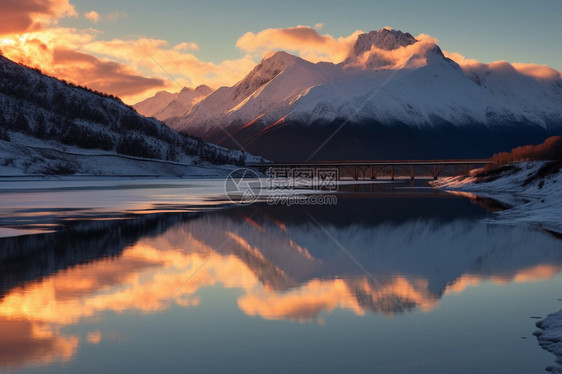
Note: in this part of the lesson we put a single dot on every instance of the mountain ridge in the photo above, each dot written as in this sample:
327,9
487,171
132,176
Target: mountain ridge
395,81
165,105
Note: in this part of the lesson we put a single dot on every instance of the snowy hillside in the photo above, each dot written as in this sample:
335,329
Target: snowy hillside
164,105
531,190
183,103
149,107
49,126
390,82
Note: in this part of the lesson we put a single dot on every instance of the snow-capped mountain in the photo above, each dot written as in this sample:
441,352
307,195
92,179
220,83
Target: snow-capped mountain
398,96
48,126
154,104
165,105
385,38
183,103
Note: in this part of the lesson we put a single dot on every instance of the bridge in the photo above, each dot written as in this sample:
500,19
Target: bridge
371,170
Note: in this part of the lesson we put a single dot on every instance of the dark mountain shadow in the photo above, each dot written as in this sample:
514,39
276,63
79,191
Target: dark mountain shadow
374,141
26,258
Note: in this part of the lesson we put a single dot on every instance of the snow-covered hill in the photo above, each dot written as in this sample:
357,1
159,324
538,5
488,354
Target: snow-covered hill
392,90
183,103
49,126
531,189
165,106
149,107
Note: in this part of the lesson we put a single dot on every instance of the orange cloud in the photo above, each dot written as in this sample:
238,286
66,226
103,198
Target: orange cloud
94,337
29,343
306,302
115,15
185,46
525,275
104,76
63,52
412,55
92,16
19,16
460,59
56,51
539,72
131,69
304,40
35,49
155,56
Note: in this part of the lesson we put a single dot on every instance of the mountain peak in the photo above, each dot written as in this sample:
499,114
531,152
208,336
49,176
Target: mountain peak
279,58
199,90
164,94
203,89
273,64
385,38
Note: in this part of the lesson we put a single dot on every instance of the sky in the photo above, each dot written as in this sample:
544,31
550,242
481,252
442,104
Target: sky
134,48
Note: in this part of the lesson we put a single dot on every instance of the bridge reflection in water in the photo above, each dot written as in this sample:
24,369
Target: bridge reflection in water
372,170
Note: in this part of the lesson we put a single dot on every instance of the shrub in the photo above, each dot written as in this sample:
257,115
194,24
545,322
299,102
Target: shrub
551,149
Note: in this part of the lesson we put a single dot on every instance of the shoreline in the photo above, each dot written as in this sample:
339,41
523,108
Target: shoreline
532,197
532,192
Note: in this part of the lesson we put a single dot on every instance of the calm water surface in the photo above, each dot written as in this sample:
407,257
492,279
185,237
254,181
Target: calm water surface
386,281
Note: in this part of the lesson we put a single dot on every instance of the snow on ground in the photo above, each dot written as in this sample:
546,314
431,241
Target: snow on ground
537,203
535,198
26,155
550,338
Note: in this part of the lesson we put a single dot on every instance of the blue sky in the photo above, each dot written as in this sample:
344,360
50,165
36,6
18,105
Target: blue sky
516,31
135,48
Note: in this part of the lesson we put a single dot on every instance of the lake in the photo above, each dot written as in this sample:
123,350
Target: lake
163,276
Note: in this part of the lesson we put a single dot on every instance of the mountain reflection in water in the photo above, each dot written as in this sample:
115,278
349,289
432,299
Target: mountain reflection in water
412,251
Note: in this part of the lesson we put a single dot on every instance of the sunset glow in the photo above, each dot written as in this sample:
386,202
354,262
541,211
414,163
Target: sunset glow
279,187
134,67
141,279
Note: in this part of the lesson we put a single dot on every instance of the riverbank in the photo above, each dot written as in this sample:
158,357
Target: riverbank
550,338
532,191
